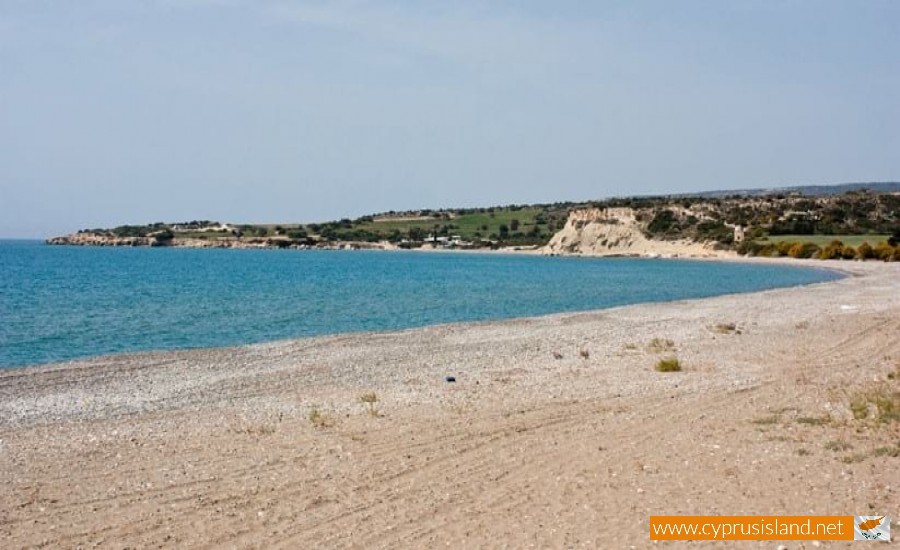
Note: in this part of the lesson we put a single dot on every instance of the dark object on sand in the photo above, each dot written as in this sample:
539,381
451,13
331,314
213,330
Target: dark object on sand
449,379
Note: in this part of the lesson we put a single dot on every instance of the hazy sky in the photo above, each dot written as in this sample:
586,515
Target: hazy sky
128,111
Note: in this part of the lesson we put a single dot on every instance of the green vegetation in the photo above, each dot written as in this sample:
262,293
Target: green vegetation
767,420
880,404
824,240
833,250
509,225
814,420
858,224
892,452
670,364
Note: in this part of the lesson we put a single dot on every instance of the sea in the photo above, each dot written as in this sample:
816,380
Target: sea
59,303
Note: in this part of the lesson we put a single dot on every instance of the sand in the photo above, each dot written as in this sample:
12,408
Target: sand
270,446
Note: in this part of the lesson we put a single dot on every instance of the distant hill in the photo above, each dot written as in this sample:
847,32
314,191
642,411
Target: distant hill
808,190
704,217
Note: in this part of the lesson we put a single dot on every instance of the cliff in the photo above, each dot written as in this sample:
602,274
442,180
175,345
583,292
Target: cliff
619,232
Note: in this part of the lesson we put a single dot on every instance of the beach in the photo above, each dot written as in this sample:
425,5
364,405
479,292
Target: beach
557,431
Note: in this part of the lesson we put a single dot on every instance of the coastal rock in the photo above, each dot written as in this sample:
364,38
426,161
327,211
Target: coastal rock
619,232
100,239
87,238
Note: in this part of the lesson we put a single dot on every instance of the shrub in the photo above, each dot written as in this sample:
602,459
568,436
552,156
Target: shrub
803,250
848,252
784,247
748,248
669,364
715,231
865,252
832,251
768,250
663,222
883,251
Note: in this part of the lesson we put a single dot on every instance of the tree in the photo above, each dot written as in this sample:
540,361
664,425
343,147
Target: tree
504,231
514,224
894,239
662,222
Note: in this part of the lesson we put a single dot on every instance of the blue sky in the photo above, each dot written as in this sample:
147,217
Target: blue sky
117,112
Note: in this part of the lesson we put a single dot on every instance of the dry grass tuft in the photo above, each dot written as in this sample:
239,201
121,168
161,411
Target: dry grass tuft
370,399
854,458
669,364
264,429
814,420
319,419
838,446
660,345
893,452
880,405
725,328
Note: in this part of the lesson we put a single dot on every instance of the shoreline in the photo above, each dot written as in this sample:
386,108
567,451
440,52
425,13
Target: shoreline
557,431
832,265
855,270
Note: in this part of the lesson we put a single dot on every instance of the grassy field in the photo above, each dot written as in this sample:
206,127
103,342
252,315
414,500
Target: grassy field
468,226
520,225
822,240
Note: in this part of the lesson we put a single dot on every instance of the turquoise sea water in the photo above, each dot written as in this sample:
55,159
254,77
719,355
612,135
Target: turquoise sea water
59,302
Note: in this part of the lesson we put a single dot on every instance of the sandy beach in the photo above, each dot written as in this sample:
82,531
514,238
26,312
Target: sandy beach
557,432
